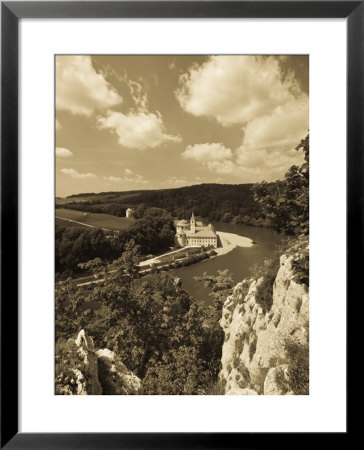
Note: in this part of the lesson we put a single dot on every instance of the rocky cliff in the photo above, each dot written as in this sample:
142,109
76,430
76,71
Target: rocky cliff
81,370
265,352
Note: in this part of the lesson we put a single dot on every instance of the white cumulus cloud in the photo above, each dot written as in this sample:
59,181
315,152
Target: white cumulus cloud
130,177
73,173
139,95
251,92
283,129
235,89
269,142
207,152
222,167
79,88
137,130
62,152
215,156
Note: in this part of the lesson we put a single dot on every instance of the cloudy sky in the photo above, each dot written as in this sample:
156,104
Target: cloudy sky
150,122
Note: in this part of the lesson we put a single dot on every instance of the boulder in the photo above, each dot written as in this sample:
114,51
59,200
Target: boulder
87,381
114,376
81,370
240,391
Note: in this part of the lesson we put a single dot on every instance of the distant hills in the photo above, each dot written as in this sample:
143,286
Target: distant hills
215,201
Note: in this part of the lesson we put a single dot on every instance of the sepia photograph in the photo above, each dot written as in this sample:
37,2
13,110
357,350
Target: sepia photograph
181,224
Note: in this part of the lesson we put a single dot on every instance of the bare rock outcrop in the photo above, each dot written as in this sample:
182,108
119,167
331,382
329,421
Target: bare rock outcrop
77,367
259,349
81,370
115,378
86,349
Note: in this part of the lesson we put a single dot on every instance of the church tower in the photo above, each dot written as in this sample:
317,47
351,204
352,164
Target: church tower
193,223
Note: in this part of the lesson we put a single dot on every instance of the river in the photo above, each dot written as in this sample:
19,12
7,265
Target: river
237,261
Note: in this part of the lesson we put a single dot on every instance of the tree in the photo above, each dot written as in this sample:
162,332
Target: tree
67,304
77,246
155,232
180,372
221,285
96,266
128,263
143,316
160,333
286,202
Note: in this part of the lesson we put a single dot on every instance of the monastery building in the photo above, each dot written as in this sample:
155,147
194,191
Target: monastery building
195,233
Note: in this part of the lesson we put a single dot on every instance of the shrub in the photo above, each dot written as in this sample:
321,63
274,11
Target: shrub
264,290
244,290
297,354
216,388
299,249
67,360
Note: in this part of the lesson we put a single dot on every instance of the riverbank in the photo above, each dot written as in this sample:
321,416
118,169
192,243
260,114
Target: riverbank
229,241
157,259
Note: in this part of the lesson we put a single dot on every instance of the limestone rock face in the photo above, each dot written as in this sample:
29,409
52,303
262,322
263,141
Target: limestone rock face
87,382
115,378
86,371
254,356
239,391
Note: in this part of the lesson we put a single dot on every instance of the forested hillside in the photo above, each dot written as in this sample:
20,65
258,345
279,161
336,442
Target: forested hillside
213,201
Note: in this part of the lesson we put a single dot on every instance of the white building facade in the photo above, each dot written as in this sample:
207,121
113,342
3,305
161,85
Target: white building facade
195,234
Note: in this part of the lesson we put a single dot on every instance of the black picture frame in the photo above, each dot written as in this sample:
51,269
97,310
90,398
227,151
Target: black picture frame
11,12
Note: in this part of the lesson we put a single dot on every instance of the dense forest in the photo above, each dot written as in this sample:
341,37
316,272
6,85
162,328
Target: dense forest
168,339
216,202
153,233
164,336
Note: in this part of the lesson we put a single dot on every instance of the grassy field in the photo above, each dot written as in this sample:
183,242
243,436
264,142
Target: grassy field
68,224
106,221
